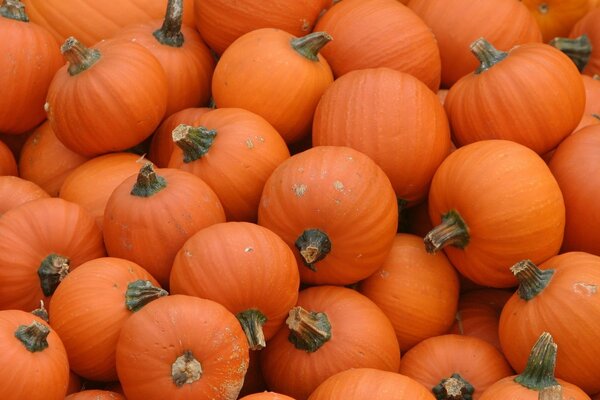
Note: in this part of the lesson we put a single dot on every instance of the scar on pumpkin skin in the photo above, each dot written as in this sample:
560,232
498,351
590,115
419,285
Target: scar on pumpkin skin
299,189
585,288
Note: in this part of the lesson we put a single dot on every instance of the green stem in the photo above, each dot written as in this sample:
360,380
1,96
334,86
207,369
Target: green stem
579,49
195,142
309,46
41,312
532,280
34,336
452,231
141,292
170,33
186,369
314,245
539,371
14,9
453,388
80,58
53,269
308,330
252,321
487,54
148,183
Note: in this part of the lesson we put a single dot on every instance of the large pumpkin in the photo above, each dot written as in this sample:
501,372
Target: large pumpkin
15,191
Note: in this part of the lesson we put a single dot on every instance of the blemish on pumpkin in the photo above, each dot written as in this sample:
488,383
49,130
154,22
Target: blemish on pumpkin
187,253
299,189
248,250
305,25
585,288
47,107
339,186
249,143
384,274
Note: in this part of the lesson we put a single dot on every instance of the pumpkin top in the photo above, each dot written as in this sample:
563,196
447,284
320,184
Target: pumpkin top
487,54
80,58
310,45
539,371
14,9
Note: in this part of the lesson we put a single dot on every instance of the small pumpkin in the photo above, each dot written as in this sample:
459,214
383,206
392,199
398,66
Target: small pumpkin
8,164
15,191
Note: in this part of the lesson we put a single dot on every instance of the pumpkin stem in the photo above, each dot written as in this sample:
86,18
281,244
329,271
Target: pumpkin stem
14,9
194,141
452,231
314,245
308,330
539,371
52,271
170,33
33,336
532,280
141,292
148,183
453,388
186,369
80,58
41,312
252,321
487,54
579,49
597,116
309,46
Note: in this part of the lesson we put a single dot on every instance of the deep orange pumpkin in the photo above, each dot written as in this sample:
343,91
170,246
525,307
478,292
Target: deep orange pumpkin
32,349
266,396
495,202
91,305
557,17
336,208
592,94
15,191
198,350
8,164
95,394
589,25
392,117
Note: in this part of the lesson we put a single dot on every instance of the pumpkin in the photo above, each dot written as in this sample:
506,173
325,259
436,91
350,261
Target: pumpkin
592,94
30,59
40,242
15,191
537,376
97,20
418,292
336,208
457,23
455,366
221,22
150,215
533,95
392,117
557,17
266,396
31,349
331,329
95,394
91,183
589,25
91,305
187,61
45,161
234,151
380,33
8,164
485,226
244,267
370,383
276,75
198,350
558,297
573,164
126,91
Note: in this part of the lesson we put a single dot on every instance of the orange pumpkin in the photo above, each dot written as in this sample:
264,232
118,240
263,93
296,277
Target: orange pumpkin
557,17
266,396
592,94
15,191
482,225
589,25
336,208
8,164
95,394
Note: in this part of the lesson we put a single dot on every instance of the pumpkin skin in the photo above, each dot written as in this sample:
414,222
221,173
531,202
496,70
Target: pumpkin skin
500,98
15,191
573,165
589,25
338,195
266,396
172,326
505,224
508,388
96,20
560,306
363,383
220,261
88,310
45,161
115,75
457,23
417,291
30,59
8,164
281,84
238,160
46,369
95,394
32,232
361,336
555,17
221,22
392,117
380,33
592,94
438,358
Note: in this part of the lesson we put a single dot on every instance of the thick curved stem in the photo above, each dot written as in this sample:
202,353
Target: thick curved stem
532,280
169,33
80,58
308,330
539,371
487,54
452,231
252,322
309,46
141,292
194,142
579,49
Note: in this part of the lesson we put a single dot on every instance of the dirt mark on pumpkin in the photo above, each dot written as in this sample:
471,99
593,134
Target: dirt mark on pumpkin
588,289
299,189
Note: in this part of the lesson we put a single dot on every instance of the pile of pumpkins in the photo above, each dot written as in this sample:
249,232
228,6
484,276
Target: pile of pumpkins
353,199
